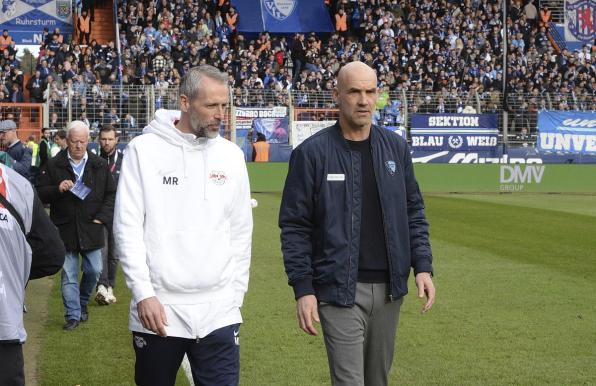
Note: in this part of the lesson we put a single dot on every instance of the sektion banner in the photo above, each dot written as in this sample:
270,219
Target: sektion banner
461,132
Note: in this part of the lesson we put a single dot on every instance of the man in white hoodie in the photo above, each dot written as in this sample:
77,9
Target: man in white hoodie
183,230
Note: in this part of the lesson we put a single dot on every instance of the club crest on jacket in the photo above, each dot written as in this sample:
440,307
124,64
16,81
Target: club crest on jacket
218,177
390,165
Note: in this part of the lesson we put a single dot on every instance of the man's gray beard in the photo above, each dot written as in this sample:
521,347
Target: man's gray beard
202,132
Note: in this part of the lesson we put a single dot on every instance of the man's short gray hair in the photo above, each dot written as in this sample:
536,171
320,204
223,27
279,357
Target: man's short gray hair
76,125
191,81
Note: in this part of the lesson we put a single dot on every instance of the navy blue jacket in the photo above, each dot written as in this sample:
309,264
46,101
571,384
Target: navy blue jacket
321,211
21,156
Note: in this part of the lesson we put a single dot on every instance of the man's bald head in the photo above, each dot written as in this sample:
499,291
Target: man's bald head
355,70
356,96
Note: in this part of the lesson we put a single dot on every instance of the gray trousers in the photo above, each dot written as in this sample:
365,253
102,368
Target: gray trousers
110,261
360,340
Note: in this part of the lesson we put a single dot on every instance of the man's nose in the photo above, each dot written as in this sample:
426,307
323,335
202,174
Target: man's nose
220,113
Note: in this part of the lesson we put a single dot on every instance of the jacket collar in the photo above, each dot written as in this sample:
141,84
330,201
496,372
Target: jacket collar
62,159
339,137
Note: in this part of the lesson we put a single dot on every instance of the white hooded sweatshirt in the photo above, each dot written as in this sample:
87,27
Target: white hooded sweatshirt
183,227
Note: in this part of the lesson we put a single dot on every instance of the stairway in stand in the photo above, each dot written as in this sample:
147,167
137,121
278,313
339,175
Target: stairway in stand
103,28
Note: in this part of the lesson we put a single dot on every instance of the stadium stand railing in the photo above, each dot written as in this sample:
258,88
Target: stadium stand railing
27,116
130,108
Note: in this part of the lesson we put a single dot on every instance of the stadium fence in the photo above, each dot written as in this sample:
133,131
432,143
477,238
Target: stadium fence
130,108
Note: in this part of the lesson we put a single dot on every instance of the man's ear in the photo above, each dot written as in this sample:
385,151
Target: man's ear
184,103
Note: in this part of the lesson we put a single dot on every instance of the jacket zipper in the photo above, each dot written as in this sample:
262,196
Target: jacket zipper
372,153
351,230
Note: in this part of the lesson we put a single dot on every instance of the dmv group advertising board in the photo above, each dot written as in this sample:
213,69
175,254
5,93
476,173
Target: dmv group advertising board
462,132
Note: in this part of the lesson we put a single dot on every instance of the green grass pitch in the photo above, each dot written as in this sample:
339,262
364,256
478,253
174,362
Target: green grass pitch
515,305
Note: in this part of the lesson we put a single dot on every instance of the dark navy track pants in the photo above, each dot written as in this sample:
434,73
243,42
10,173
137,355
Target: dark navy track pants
214,359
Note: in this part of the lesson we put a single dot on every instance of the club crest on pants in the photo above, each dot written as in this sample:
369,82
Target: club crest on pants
140,342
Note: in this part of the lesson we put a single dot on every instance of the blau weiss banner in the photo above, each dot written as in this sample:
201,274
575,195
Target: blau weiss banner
572,132
462,132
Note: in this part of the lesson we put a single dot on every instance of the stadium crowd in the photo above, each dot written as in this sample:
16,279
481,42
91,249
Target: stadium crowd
443,53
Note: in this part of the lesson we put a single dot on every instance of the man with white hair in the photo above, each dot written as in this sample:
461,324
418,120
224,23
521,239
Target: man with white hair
81,191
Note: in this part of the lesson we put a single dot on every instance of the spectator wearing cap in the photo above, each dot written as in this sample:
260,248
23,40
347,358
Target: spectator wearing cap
17,150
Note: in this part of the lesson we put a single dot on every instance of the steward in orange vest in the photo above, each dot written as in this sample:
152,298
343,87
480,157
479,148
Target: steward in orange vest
260,149
84,27
341,21
5,40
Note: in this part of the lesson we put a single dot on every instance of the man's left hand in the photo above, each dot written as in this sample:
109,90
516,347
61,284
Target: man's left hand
425,286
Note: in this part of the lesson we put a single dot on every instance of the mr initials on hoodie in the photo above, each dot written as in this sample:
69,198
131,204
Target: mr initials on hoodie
170,180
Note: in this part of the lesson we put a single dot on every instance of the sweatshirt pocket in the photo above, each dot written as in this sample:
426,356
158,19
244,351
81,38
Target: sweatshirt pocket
192,261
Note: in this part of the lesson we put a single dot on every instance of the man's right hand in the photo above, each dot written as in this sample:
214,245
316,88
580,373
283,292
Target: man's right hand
65,185
153,315
308,310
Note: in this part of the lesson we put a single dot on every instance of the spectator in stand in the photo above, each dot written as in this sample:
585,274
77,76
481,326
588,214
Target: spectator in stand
84,27
5,40
545,14
531,12
129,122
54,122
55,44
36,86
59,35
16,95
341,21
446,48
232,19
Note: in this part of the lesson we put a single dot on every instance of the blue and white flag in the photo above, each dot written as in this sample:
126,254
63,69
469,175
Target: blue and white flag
283,16
462,132
571,132
580,16
26,19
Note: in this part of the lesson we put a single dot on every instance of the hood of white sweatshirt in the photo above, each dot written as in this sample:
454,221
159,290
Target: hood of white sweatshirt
164,125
